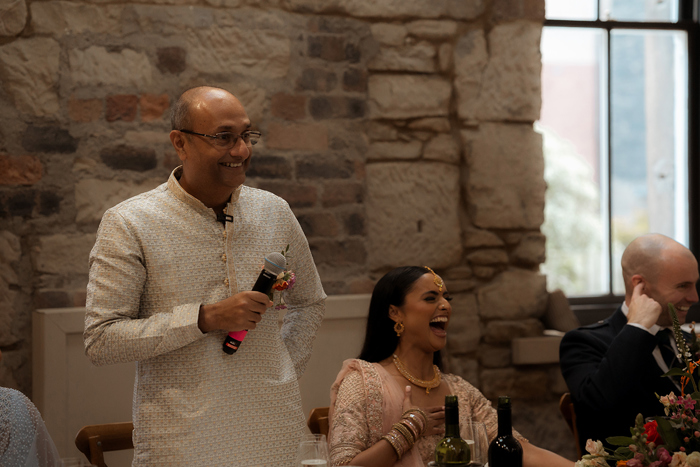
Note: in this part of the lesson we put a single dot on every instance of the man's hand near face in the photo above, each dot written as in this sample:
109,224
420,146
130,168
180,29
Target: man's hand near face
644,311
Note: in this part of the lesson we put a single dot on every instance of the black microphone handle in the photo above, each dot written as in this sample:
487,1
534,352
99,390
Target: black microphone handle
264,284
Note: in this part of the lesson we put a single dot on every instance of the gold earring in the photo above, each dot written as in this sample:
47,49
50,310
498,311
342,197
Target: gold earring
398,327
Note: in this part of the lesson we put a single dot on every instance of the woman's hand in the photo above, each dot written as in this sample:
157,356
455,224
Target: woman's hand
436,415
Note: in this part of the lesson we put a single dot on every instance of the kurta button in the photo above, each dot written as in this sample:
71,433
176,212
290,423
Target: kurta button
223,257
226,282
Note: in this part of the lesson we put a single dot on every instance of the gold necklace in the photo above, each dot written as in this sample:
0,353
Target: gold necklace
428,385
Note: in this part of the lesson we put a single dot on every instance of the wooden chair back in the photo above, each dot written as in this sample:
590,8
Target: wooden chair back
95,440
318,420
566,407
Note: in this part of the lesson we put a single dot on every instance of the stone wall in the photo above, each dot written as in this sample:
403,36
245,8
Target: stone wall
400,132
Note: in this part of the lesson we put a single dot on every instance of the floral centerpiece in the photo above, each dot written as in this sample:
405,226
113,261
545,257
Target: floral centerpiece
285,281
673,440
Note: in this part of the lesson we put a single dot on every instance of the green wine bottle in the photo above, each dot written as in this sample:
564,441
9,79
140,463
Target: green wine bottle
452,450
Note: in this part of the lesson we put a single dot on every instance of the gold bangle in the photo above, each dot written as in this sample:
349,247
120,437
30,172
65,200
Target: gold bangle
405,433
408,423
417,411
393,445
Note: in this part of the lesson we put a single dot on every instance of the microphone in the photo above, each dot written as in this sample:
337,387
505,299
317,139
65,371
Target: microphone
274,265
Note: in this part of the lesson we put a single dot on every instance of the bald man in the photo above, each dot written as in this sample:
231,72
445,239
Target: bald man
171,274
614,368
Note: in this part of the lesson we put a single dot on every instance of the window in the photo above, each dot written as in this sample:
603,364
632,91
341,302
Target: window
617,110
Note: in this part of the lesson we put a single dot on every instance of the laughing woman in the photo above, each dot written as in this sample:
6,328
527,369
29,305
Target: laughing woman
397,378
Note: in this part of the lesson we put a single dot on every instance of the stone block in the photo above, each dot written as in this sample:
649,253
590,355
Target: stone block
485,273
125,157
494,356
319,224
354,223
63,254
470,60
297,136
432,29
324,167
20,170
538,350
121,107
297,195
520,384
288,107
48,139
20,202
355,80
478,238
93,196
171,60
141,137
505,155
463,330
10,247
511,88
389,34
325,107
84,110
514,294
446,57
410,218
153,106
510,10
49,203
415,58
59,18
13,18
261,54
408,96
442,148
340,193
391,9
338,252
254,100
96,66
315,79
394,150
327,47
268,166
531,249
29,72
467,368
435,124
377,131
488,257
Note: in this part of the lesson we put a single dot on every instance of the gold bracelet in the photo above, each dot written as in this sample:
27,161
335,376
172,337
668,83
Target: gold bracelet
408,423
417,417
393,445
416,410
405,433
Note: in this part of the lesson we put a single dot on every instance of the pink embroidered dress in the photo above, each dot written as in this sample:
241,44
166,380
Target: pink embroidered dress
366,401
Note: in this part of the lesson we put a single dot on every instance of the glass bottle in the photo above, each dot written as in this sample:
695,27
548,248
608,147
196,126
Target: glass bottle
452,450
505,450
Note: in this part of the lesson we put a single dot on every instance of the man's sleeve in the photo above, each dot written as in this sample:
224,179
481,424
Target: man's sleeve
601,375
305,301
115,332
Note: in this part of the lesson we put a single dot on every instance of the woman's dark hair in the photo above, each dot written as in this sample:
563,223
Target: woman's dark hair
391,289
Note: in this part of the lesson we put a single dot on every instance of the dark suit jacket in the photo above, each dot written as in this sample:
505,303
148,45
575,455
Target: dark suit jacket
612,376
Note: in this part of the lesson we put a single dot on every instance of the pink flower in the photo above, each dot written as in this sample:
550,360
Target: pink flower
595,447
663,456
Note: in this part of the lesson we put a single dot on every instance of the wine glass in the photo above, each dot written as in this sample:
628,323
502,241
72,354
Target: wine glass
474,433
313,453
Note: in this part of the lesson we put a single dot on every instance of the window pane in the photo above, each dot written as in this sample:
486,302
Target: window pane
582,10
648,138
639,10
575,209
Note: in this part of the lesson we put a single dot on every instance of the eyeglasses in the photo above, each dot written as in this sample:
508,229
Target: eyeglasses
227,140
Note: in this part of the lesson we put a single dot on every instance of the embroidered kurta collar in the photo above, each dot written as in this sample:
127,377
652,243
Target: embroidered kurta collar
180,193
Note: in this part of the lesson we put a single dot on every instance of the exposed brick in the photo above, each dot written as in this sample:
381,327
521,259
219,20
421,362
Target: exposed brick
337,193
355,80
84,110
319,224
324,107
288,106
314,79
121,107
326,47
124,157
53,299
49,203
265,166
20,170
21,203
352,53
171,60
153,106
48,139
354,223
298,196
509,10
338,253
309,167
309,136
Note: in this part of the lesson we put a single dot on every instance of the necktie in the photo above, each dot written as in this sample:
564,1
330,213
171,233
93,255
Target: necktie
663,338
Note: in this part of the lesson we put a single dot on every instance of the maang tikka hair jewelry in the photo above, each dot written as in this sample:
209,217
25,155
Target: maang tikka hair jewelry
398,328
436,279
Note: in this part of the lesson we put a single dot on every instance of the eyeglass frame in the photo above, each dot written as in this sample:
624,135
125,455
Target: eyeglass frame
218,137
